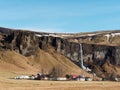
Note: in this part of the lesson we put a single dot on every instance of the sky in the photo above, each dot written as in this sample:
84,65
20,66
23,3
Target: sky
63,16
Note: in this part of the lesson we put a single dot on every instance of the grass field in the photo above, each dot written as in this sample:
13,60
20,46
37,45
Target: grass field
10,66
57,85
11,84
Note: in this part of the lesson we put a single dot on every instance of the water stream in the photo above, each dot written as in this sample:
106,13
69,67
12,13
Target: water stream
81,61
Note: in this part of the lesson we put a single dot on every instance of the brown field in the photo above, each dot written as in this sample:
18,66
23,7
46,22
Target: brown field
11,84
57,85
13,64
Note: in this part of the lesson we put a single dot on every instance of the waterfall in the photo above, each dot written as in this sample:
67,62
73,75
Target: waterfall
81,54
82,65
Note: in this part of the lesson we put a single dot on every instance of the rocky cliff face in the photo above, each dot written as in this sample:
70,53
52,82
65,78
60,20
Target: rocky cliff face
91,52
94,55
21,42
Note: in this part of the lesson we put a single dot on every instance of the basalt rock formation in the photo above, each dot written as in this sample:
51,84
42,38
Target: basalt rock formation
101,51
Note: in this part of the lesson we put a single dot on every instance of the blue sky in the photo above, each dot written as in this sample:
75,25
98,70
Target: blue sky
60,15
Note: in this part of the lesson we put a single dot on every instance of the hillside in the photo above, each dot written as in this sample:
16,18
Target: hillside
31,52
11,61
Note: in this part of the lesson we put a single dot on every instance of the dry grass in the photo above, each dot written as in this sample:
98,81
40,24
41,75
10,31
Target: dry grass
11,84
57,85
12,64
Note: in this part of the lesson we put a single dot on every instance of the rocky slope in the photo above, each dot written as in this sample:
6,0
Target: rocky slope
23,52
100,50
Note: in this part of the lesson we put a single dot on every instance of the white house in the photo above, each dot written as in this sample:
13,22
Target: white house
61,78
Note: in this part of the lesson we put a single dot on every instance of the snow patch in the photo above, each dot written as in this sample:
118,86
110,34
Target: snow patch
108,37
111,35
38,35
115,34
91,34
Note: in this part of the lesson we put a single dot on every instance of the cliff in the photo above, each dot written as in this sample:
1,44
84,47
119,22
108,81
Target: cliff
101,50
